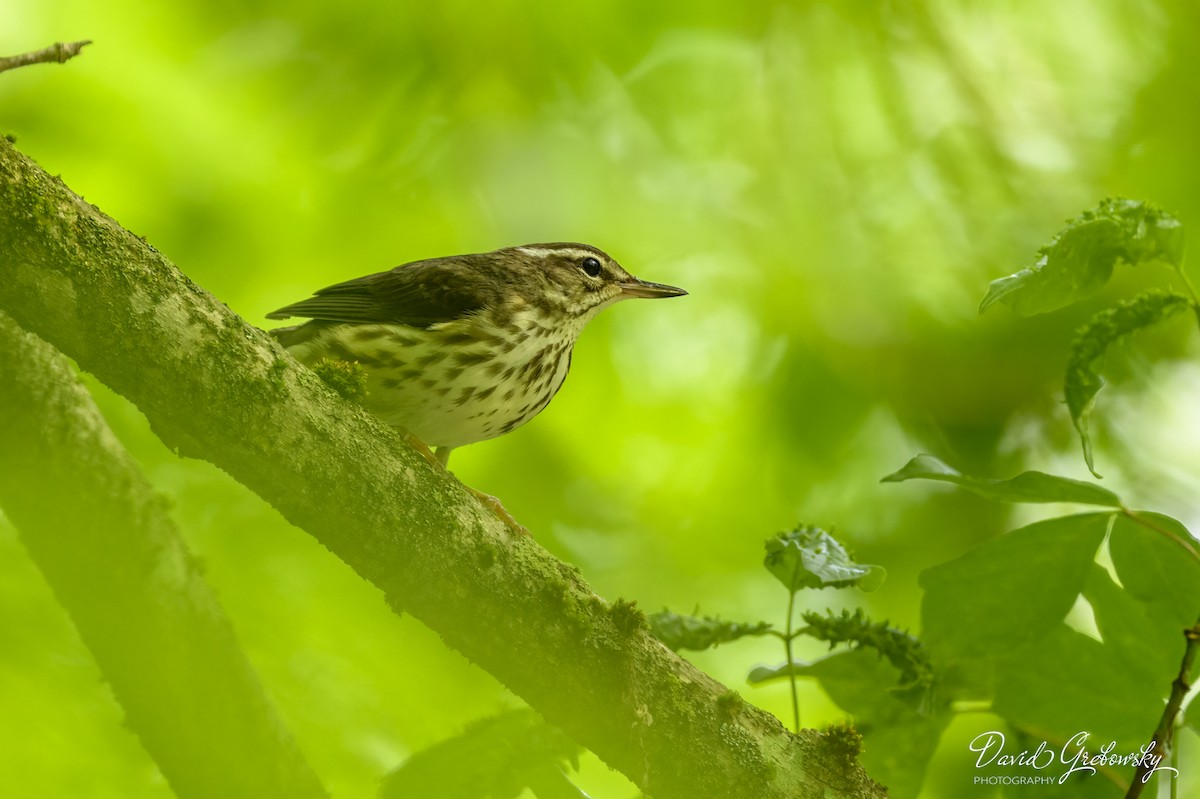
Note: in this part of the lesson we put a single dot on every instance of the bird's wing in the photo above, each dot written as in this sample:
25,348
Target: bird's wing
418,294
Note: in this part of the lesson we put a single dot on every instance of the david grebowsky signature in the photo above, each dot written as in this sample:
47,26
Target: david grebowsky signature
1074,756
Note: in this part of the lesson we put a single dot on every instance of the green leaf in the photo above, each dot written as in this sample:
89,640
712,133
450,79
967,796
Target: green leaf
1092,342
809,557
1158,565
898,740
902,650
1067,683
898,754
689,632
1148,641
856,680
1081,257
495,758
1025,487
1011,590
761,674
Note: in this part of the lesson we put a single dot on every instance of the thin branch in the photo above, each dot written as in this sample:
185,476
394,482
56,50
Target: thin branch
104,541
1164,734
57,53
220,389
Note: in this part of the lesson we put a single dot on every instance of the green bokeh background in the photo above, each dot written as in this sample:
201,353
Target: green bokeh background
834,183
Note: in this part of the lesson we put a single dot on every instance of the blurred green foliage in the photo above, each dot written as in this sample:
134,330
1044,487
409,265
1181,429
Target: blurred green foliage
835,184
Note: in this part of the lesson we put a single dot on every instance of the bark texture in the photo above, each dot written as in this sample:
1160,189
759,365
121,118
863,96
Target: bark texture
219,389
103,539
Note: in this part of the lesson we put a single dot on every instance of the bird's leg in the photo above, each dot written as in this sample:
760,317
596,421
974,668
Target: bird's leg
498,510
441,456
420,446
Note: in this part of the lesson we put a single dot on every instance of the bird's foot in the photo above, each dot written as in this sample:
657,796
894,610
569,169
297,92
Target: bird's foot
441,457
421,447
493,504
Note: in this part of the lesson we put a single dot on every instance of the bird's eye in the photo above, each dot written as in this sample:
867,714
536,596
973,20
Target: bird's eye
590,267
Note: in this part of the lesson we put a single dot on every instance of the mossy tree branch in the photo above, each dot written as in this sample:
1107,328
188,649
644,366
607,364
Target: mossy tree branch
103,539
222,390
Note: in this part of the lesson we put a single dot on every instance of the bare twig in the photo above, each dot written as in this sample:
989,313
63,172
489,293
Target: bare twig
59,52
1160,744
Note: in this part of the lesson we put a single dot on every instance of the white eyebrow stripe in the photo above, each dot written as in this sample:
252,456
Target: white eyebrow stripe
542,252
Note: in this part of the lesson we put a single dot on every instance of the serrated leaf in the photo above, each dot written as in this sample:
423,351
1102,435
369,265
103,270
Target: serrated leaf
494,758
1025,487
809,557
1091,343
1081,257
1010,590
689,632
902,650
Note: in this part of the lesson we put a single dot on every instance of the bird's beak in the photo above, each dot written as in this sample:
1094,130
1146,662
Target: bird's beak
642,288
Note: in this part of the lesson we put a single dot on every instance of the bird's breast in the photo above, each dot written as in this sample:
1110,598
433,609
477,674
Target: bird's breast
454,383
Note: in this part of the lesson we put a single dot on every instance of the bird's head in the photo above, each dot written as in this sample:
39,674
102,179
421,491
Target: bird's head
577,280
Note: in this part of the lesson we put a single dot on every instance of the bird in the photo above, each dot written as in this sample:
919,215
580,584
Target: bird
463,348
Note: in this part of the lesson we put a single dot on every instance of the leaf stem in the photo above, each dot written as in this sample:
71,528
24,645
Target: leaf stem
1165,732
1191,290
787,646
1137,518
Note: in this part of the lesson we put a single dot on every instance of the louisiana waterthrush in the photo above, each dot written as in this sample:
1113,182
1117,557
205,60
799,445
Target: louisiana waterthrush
468,347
